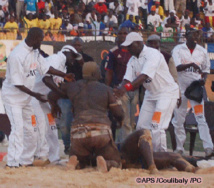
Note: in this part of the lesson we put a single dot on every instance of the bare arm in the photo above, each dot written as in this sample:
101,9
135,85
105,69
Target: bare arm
68,77
183,67
38,96
115,107
108,77
119,92
49,82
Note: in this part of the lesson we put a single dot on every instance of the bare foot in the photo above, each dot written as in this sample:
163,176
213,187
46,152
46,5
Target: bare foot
39,162
72,163
153,170
101,164
190,168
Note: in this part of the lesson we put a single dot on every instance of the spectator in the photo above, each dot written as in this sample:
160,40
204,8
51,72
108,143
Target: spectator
138,22
154,19
11,25
158,9
208,32
185,19
169,5
132,8
91,16
144,9
30,22
180,5
19,8
193,5
48,5
129,23
31,6
197,22
77,17
118,10
110,20
56,22
172,20
4,4
99,26
2,16
209,13
101,8
44,23
41,6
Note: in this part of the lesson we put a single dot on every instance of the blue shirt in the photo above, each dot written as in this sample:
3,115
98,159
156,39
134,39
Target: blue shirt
31,5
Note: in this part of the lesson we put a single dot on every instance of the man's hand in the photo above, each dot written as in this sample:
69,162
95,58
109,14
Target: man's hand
40,97
202,82
179,101
196,67
56,111
119,91
70,77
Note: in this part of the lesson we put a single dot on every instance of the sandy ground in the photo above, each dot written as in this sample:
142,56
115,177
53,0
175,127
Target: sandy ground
56,176
60,177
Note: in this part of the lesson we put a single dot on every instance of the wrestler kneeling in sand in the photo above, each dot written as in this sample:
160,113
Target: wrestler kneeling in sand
90,131
91,134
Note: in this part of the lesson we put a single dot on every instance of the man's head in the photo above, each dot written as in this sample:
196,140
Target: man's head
35,37
153,41
153,9
77,43
91,71
122,33
192,36
186,13
157,3
172,13
131,17
12,19
110,13
134,43
71,53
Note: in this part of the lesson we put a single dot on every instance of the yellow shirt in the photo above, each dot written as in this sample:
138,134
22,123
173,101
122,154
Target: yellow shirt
29,24
44,24
55,23
14,26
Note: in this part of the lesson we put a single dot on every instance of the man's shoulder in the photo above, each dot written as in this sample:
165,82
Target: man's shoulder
179,46
115,48
201,49
87,57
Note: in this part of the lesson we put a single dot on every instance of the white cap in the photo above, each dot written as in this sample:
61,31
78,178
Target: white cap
153,37
101,1
132,37
172,11
68,48
81,24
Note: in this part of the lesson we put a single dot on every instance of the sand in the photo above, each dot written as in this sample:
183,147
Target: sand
58,176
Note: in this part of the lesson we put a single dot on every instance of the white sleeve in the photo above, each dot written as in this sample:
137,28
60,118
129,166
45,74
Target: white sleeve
16,70
151,64
115,19
176,57
105,19
129,75
206,65
87,18
42,65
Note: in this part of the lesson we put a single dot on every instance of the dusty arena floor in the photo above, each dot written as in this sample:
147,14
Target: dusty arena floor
58,176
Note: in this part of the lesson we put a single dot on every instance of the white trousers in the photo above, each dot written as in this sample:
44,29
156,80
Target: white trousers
47,142
179,119
169,5
23,136
155,115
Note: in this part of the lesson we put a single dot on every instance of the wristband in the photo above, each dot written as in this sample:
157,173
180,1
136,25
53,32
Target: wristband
129,87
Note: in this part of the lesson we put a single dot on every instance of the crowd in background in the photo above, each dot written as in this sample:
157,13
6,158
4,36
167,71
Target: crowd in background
104,17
